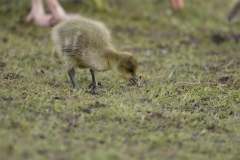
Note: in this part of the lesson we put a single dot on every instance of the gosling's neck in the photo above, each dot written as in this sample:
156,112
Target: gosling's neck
113,57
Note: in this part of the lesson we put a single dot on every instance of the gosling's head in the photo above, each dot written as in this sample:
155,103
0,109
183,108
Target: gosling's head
128,67
234,15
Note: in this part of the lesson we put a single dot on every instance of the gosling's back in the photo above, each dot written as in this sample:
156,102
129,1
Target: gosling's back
79,35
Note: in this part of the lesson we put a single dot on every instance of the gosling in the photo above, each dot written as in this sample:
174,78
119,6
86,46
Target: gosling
234,14
86,43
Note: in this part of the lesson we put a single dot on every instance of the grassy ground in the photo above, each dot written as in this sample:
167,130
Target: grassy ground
187,107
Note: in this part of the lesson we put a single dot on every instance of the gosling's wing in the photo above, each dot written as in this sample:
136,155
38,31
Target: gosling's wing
69,39
73,45
69,51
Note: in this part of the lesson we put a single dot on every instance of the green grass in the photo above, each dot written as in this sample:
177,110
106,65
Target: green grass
187,108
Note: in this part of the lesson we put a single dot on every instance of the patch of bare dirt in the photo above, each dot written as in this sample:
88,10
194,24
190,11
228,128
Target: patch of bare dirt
219,38
145,100
7,99
11,76
225,79
2,64
92,106
4,39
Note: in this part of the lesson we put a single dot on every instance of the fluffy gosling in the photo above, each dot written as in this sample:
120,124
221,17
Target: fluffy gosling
86,43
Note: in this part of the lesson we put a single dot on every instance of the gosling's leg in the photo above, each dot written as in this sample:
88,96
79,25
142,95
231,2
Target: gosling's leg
71,74
94,85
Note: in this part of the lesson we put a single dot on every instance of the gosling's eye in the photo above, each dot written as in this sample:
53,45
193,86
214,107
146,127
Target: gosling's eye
130,70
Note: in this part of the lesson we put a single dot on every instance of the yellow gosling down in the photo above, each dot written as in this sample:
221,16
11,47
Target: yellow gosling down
85,43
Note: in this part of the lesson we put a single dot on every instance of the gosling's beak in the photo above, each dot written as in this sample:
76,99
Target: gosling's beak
135,80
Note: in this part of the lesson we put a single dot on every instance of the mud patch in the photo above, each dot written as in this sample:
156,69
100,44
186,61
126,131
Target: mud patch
225,79
92,106
58,98
155,115
4,39
212,68
2,64
7,99
189,40
11,76
145,100
219,38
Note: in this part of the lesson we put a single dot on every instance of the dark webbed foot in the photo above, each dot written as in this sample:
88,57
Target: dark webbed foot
99,85
76,87
93,90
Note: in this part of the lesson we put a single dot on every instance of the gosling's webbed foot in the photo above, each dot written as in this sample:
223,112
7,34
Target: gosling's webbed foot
76,87
93,90
99,85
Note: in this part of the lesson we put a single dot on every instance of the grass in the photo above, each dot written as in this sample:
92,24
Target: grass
187,107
